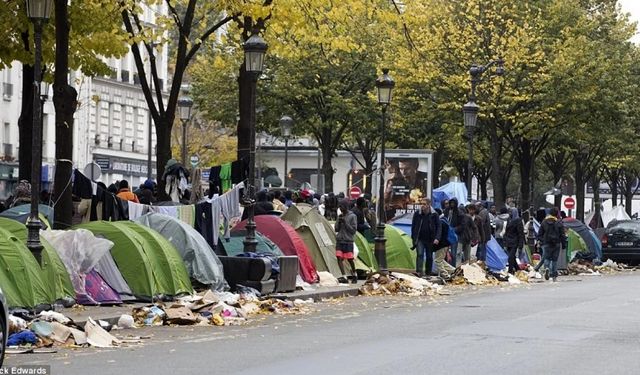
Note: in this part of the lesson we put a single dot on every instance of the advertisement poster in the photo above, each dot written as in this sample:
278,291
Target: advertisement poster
407,180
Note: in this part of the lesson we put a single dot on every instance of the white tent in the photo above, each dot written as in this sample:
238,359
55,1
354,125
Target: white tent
616,213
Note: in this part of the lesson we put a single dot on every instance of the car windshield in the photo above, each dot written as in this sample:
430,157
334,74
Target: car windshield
626,226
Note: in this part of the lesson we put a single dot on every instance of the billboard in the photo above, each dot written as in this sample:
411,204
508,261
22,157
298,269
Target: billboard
407,179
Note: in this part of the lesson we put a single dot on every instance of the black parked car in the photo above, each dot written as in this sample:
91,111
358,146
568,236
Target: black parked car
621,241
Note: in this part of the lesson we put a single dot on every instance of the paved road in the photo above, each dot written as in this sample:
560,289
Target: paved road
588,326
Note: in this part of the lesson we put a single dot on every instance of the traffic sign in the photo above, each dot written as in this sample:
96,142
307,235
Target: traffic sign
355,192
569,203
195,159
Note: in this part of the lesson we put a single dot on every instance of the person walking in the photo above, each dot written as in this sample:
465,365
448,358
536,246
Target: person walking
552,236
513,238
346,227
425,233
455,218
484,229
501,220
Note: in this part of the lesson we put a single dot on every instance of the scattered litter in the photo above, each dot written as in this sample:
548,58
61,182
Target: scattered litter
53,316
327,279
16,324
398,283
97,336
473,274
126,321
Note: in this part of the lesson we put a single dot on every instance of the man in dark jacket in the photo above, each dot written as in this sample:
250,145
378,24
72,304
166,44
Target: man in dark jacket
425,233
552,236
455,216
484,229
513,238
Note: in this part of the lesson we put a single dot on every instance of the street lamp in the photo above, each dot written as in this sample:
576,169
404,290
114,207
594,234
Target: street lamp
471,109
286,123
38,12
254,50
184,110
384,85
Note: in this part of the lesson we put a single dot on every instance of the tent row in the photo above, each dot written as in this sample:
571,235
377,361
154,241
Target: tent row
107,262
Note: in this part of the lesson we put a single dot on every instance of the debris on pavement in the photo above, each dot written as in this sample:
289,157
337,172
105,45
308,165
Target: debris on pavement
398,283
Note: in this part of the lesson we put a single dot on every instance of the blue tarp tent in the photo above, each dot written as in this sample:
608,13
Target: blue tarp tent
456,190
497,258
403,222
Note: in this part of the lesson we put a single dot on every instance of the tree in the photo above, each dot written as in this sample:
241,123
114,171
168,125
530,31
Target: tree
193,22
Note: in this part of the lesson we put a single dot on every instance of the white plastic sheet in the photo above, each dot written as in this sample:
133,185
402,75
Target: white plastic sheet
79,250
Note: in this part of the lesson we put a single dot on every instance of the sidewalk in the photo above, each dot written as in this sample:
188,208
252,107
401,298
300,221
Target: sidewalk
111,314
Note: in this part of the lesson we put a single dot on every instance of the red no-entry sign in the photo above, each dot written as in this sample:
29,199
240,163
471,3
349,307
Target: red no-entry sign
355,192
569,203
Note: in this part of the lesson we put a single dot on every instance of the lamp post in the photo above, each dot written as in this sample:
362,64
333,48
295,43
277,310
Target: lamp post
254,50
286,123
384,85
184,106
471,109
38,12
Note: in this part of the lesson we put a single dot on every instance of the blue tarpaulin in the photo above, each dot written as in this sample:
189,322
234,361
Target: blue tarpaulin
456,190
497,258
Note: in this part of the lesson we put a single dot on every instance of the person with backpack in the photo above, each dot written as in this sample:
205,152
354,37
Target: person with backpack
456,219
425,232
346,227
513,238
501,220
448,238
552,236
483,222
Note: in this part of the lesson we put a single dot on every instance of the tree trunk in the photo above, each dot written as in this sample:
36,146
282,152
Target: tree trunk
525,163
499,190
25,123
244,109
628,194
327,168
484,195
597,203
613,185
438,163
579,189
65,101
164,153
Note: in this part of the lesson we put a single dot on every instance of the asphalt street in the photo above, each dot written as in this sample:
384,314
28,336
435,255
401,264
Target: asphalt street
588,325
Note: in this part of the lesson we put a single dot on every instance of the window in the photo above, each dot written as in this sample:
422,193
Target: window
125,75
6,134
7,90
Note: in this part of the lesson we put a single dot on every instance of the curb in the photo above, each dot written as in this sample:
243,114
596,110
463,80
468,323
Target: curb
320,295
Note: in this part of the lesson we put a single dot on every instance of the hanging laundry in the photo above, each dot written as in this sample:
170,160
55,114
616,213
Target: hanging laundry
81,185
204,222
239,170
136,210
187,214
215,184
225,177
166,210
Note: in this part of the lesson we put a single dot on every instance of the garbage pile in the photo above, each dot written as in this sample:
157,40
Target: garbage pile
398,284
583,267
477,274
50,329
216,308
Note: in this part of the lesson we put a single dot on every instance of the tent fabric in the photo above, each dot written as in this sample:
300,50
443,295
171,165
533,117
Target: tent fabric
53,272
403,222
20,275
594,247
108,270
234,246
616,213
150,265
200,260
288,240
365,260
78,252
97,291
400,257
22,212
497,258
317,234
456,190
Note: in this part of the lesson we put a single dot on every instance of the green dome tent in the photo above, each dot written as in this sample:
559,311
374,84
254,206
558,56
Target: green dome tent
148,262
366,261
317,234
400,257
52,272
